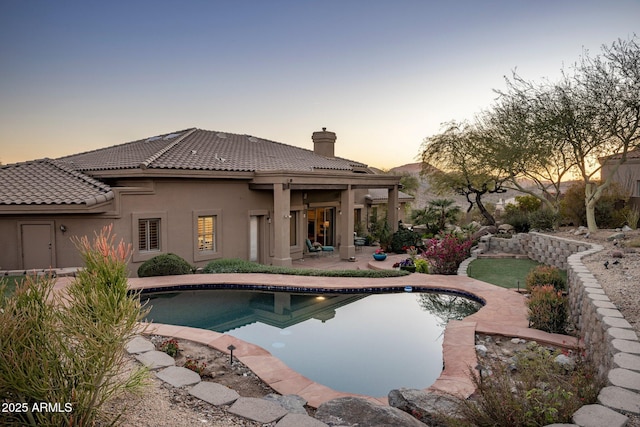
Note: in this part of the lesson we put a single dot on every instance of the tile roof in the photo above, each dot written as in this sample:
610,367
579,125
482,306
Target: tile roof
383,194
196,149
49,182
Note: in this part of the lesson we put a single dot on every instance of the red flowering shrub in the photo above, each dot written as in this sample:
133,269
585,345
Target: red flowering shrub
446,254
195,366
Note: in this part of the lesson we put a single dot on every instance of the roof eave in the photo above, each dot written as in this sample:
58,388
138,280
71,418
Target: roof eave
57,209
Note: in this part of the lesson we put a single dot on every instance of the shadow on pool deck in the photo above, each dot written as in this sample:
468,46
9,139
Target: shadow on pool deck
504,313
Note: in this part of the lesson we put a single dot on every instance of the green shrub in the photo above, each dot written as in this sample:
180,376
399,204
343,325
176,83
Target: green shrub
170,347
545,275
164,265
242,266
71,349
519,220
532,391
422,266
543,219
548,309
528,203
402,239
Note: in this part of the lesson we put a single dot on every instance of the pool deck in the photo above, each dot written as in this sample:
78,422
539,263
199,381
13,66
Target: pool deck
504,313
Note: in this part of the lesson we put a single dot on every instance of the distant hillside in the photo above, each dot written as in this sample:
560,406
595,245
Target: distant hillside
425,194
412,168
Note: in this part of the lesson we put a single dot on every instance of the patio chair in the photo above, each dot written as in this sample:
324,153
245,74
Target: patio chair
318,249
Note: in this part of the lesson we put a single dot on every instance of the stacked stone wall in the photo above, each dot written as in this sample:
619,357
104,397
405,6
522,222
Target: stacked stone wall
608,338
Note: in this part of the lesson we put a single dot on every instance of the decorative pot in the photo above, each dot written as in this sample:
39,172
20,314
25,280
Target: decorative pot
379,257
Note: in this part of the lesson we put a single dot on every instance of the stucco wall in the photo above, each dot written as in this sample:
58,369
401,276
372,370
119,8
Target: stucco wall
176,202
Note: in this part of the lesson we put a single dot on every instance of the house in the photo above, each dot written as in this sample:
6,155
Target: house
376,205
627,175
200,194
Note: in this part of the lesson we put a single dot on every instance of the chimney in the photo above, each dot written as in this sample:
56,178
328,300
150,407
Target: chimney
324,142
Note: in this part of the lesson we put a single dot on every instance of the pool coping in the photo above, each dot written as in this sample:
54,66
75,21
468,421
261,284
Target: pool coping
504,313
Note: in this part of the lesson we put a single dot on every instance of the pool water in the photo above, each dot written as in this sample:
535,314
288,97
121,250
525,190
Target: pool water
354,343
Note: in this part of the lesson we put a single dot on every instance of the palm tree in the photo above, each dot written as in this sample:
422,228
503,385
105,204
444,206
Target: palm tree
445,211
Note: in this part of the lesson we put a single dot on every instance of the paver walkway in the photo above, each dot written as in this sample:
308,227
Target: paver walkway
260,410
504,313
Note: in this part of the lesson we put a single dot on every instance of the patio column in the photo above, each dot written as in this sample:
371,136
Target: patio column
347,248
393,208
281,226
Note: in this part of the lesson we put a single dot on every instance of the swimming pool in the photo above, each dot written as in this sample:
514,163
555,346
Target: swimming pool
352,342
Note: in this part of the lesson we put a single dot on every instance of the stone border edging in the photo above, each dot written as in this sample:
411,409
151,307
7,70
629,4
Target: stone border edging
610,341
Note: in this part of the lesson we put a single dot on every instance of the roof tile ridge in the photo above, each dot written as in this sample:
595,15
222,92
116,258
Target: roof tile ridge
95,150
66,168
147,162
107,192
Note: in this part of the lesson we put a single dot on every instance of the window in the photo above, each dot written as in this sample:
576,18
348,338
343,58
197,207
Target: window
206,233
149,234
293,228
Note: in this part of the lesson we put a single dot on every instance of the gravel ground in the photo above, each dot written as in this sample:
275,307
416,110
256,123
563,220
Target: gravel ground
162,405
620,280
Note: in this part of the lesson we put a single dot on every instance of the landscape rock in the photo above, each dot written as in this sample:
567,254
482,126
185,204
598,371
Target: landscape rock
506,228
565,361
598,416
293,403
299,420
617,254
615,236
155,359
260,410
214,393
178,376
484,231
582,230
481,350
139,345
422,405
360,412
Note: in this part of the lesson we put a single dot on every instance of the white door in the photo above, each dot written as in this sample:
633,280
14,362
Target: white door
254,239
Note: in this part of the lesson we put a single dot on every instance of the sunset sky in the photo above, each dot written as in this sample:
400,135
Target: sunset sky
383,75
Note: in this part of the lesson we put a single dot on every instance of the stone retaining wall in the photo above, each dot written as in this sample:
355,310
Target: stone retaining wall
543,248
610,341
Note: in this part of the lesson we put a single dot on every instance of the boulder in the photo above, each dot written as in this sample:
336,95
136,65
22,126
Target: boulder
422,405
360,412
506,228
484,231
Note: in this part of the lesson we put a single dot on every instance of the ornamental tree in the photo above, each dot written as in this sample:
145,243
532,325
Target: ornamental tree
455,161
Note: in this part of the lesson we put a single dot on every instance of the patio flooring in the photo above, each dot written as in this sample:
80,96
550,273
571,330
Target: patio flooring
504,313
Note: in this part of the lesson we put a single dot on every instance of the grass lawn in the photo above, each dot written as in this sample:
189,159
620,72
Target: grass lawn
505,272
